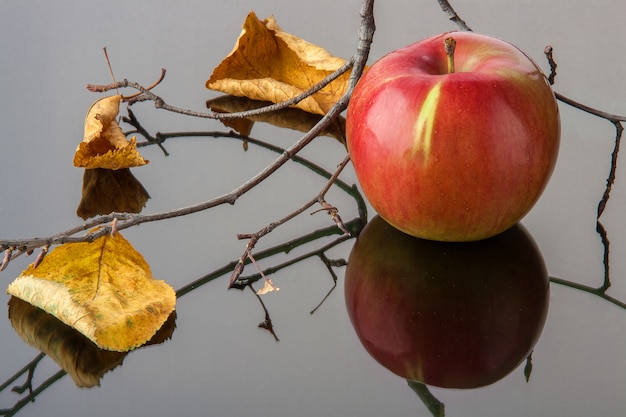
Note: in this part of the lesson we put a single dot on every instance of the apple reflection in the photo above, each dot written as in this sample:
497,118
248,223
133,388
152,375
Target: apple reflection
453,315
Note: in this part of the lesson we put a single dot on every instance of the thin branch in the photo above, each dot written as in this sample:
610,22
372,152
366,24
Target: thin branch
452,15
600,291
619,129
254,237
366,37
27,369
329,266
132,120
436,407
606,244
267,322
245,280
36,391
159,103
590,110
356,224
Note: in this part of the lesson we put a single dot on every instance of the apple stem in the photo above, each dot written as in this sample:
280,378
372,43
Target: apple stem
450,45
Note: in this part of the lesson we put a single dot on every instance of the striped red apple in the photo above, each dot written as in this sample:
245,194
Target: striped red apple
453,144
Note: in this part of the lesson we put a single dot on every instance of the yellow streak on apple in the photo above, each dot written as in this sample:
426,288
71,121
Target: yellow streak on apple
423,130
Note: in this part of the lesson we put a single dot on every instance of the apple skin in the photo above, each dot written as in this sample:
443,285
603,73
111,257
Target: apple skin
453,157
452,315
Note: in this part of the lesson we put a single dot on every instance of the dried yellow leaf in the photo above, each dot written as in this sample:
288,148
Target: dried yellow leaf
103,289
104,144
272,65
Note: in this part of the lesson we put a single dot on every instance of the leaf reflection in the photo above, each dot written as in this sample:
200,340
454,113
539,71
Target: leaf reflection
289,118
106,191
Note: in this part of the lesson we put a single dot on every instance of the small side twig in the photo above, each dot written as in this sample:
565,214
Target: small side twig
587,109
329,266
97,88
619,129
139,129
254,237
8,253
548,51
606,244
453,15
333,212
267,322
42,254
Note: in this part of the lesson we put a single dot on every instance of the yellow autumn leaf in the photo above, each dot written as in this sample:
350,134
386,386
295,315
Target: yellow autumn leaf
272,65
104,144
103,289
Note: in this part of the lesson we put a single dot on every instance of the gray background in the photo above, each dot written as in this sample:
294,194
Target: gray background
218,362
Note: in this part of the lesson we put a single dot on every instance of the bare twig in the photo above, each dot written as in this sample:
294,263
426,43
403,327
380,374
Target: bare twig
254,237
619,129
8,253
548,53
267,322
599,292
333,212
452,15
590,110
132,120
436,407
106,56
146,95
366,37
95,88
42,254
606,245
329,266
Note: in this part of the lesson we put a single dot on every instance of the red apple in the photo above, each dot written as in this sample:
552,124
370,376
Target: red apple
454,315
453,156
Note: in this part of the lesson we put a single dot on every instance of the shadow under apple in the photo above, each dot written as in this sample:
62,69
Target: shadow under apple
453,315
